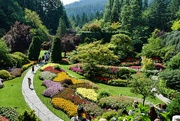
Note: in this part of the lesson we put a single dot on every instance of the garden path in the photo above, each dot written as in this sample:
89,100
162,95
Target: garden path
33,100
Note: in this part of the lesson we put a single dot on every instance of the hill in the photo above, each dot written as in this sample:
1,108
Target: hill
90,7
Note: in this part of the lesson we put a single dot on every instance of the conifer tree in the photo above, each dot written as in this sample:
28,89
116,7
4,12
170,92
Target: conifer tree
107,11
56,56
115,11
34,48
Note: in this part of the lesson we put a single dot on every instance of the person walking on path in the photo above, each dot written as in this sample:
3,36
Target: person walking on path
32,68
29,82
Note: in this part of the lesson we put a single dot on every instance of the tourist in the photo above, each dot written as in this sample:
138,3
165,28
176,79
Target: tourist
29,82
152,113
79,117
32,68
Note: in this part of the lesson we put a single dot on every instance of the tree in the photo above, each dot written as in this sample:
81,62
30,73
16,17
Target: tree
172,78
18,38
62,27
34,48
95,53
56,56
121,44
173,107
143,86
176,25
115,16
174,62
10,12
147,64
107,11
28,116
37,27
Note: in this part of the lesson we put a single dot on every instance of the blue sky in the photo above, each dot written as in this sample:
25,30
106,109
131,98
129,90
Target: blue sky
68,1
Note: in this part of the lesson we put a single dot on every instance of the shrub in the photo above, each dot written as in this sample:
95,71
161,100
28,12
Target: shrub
28,115
46,75
103,94
49,64
90,94
15,72
108,115
125,73
4,74
53,88
118,82
24,58
26,66
65,105
9,113
66,82
115,102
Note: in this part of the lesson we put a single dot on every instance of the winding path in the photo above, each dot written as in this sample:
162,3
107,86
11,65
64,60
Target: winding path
33,100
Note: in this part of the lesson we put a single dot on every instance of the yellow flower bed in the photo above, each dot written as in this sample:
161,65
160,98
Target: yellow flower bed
63,75
65,105
90,94
49,64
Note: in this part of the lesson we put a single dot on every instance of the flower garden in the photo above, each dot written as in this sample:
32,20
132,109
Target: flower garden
66,92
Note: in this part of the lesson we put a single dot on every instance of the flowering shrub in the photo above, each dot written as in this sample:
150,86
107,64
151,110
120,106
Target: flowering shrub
9,113
69,94
46,75
52,69
65,105
115,102
15,72
93,108
53,88
77,70
90,94
50,64
62,76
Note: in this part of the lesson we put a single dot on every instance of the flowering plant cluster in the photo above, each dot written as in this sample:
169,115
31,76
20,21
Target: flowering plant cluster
63,75
65,105
49,64
77,70
90,94
69,94
53,88
115,102
47,75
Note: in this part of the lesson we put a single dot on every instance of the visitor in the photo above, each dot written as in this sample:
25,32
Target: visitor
32,68
29,82
161,108
135,106
79,117
152,113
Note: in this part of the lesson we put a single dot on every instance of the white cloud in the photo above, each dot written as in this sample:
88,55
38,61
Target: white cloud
68,1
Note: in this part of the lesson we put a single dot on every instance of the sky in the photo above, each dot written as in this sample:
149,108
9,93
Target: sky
68,1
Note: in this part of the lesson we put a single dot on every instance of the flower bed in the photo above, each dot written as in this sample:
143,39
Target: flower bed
65,105
63,75
47,75
53,88
90,94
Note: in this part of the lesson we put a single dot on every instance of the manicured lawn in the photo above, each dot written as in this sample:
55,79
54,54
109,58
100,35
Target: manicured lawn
11,94
47,101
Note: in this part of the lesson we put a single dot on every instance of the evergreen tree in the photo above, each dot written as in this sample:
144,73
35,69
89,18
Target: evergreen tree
62,27
56,56
173,7
115,11
34,48
107,11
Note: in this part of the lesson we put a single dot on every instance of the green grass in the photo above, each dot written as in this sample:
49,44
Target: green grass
11,94
47,101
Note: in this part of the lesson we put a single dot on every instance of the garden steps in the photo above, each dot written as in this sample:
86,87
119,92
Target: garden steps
33,100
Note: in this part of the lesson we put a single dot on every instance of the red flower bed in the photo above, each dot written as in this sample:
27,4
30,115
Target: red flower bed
52,70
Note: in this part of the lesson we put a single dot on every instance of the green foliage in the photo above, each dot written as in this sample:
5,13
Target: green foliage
61,30
108,115
95,53
125,73
28,116
34,48
47,75
118,82
103,93
174,62
4,74
9,112
176,25
56,56
94,27
121,45
143,86
147,64
172,78
174,107
37,27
